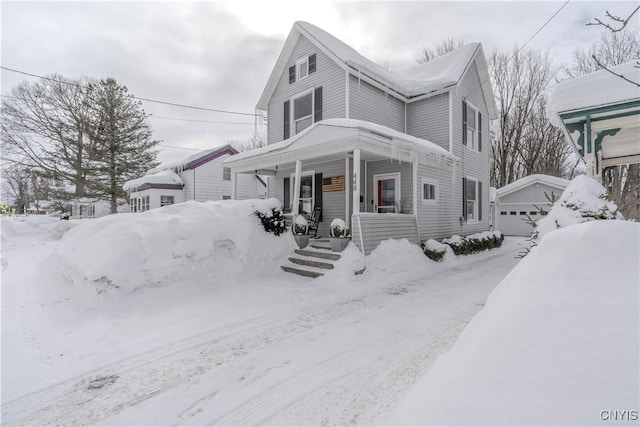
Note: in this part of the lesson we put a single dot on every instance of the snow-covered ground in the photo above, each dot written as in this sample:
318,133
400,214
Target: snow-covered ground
246,346
181,316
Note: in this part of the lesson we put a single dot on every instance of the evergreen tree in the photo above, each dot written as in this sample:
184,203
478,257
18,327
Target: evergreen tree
122,139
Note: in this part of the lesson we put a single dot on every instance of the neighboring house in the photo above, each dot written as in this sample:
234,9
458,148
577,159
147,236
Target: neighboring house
200,177
85,207
600,115
401,154
515,203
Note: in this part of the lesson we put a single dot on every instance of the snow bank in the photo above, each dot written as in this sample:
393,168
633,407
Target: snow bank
556,344
583,200
224,239
58,230
397,256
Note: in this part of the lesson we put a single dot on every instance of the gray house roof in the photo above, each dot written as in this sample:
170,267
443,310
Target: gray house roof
423,80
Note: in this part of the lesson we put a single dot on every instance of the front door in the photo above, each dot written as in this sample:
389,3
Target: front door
387,193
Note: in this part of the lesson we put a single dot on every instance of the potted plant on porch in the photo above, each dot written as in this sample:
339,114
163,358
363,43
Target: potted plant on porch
339,235
300,229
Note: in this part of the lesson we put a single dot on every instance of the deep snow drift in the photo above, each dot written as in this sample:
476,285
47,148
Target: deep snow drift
128,251
556,344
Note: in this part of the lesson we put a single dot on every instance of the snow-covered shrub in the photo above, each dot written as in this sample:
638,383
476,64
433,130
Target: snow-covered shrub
61,227
272,220
475,242
300,225
583,200
434,250
338,228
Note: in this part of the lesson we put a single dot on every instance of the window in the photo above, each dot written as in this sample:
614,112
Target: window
472,211
523,212
145,204
503,213
302,112
512,213
226,197
533,213
302,67
226,174
429,191
472,128
166,200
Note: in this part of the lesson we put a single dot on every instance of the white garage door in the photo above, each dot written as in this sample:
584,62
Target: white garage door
511,220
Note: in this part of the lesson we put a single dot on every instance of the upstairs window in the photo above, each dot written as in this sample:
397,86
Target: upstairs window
303,112
471,127
302,67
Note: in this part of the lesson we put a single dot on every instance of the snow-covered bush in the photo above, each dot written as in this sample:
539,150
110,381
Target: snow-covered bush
338,228
434,250
475,242
583,200
300,225
272,220
61,227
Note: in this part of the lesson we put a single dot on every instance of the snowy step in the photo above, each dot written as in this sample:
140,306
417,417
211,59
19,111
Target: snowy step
311,263
317,254
300,271
320,246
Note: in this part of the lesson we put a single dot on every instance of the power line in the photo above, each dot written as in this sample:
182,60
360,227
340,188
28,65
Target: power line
181,148
541,28
135,97
152,116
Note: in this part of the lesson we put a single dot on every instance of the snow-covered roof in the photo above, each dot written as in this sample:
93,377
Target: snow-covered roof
597,89
163,177
195,160
431,77
552,181
341,126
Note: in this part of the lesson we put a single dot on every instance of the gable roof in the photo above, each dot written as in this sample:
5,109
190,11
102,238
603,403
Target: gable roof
433,76
195,160
166,178
552,181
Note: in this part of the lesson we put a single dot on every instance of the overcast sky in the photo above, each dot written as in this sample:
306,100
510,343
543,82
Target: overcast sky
219,54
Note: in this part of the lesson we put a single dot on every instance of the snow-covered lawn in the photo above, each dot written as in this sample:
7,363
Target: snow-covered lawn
250,345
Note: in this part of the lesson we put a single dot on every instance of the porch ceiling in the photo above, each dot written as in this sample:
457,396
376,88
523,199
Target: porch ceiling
329,141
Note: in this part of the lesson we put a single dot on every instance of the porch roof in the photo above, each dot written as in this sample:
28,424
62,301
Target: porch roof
332,139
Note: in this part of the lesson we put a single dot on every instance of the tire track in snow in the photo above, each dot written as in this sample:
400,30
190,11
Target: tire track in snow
153,372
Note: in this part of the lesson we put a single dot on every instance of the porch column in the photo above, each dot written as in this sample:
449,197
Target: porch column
296,189
234,185
347,185
417,189
356,181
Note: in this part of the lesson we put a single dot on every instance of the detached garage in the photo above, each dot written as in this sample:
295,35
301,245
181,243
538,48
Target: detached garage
515,201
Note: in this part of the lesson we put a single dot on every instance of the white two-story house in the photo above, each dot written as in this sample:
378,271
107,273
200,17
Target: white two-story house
398,154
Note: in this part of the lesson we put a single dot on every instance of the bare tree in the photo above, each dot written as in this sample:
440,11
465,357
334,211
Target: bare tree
447,45
44,126
612,49
17,180
519,80
623,187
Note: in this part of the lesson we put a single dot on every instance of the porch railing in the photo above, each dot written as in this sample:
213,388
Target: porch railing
369,229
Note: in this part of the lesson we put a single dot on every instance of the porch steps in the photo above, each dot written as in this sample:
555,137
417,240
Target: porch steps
312,262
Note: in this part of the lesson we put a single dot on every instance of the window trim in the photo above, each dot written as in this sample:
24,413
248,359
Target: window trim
300,62
473,144
292,110
435,183
475,201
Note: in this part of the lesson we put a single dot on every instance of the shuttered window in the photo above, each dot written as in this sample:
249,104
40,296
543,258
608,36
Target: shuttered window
306,109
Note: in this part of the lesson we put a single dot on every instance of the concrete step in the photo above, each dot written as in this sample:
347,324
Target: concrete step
301,272
318,254
321,246
311,263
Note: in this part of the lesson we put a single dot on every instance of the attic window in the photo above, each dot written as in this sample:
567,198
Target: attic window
302,67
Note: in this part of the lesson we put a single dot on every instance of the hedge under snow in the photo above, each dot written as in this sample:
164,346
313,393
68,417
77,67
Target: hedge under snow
137,249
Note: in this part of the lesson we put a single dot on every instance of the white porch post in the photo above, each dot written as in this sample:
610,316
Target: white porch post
417,190
356,181
347,185
296,189
234,185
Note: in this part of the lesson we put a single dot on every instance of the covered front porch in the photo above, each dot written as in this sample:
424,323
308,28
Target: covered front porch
352,170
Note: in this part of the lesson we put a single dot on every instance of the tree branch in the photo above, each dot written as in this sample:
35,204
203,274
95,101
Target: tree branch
624,22
615,74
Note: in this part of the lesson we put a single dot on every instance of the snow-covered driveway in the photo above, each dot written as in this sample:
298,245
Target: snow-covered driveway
276,349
